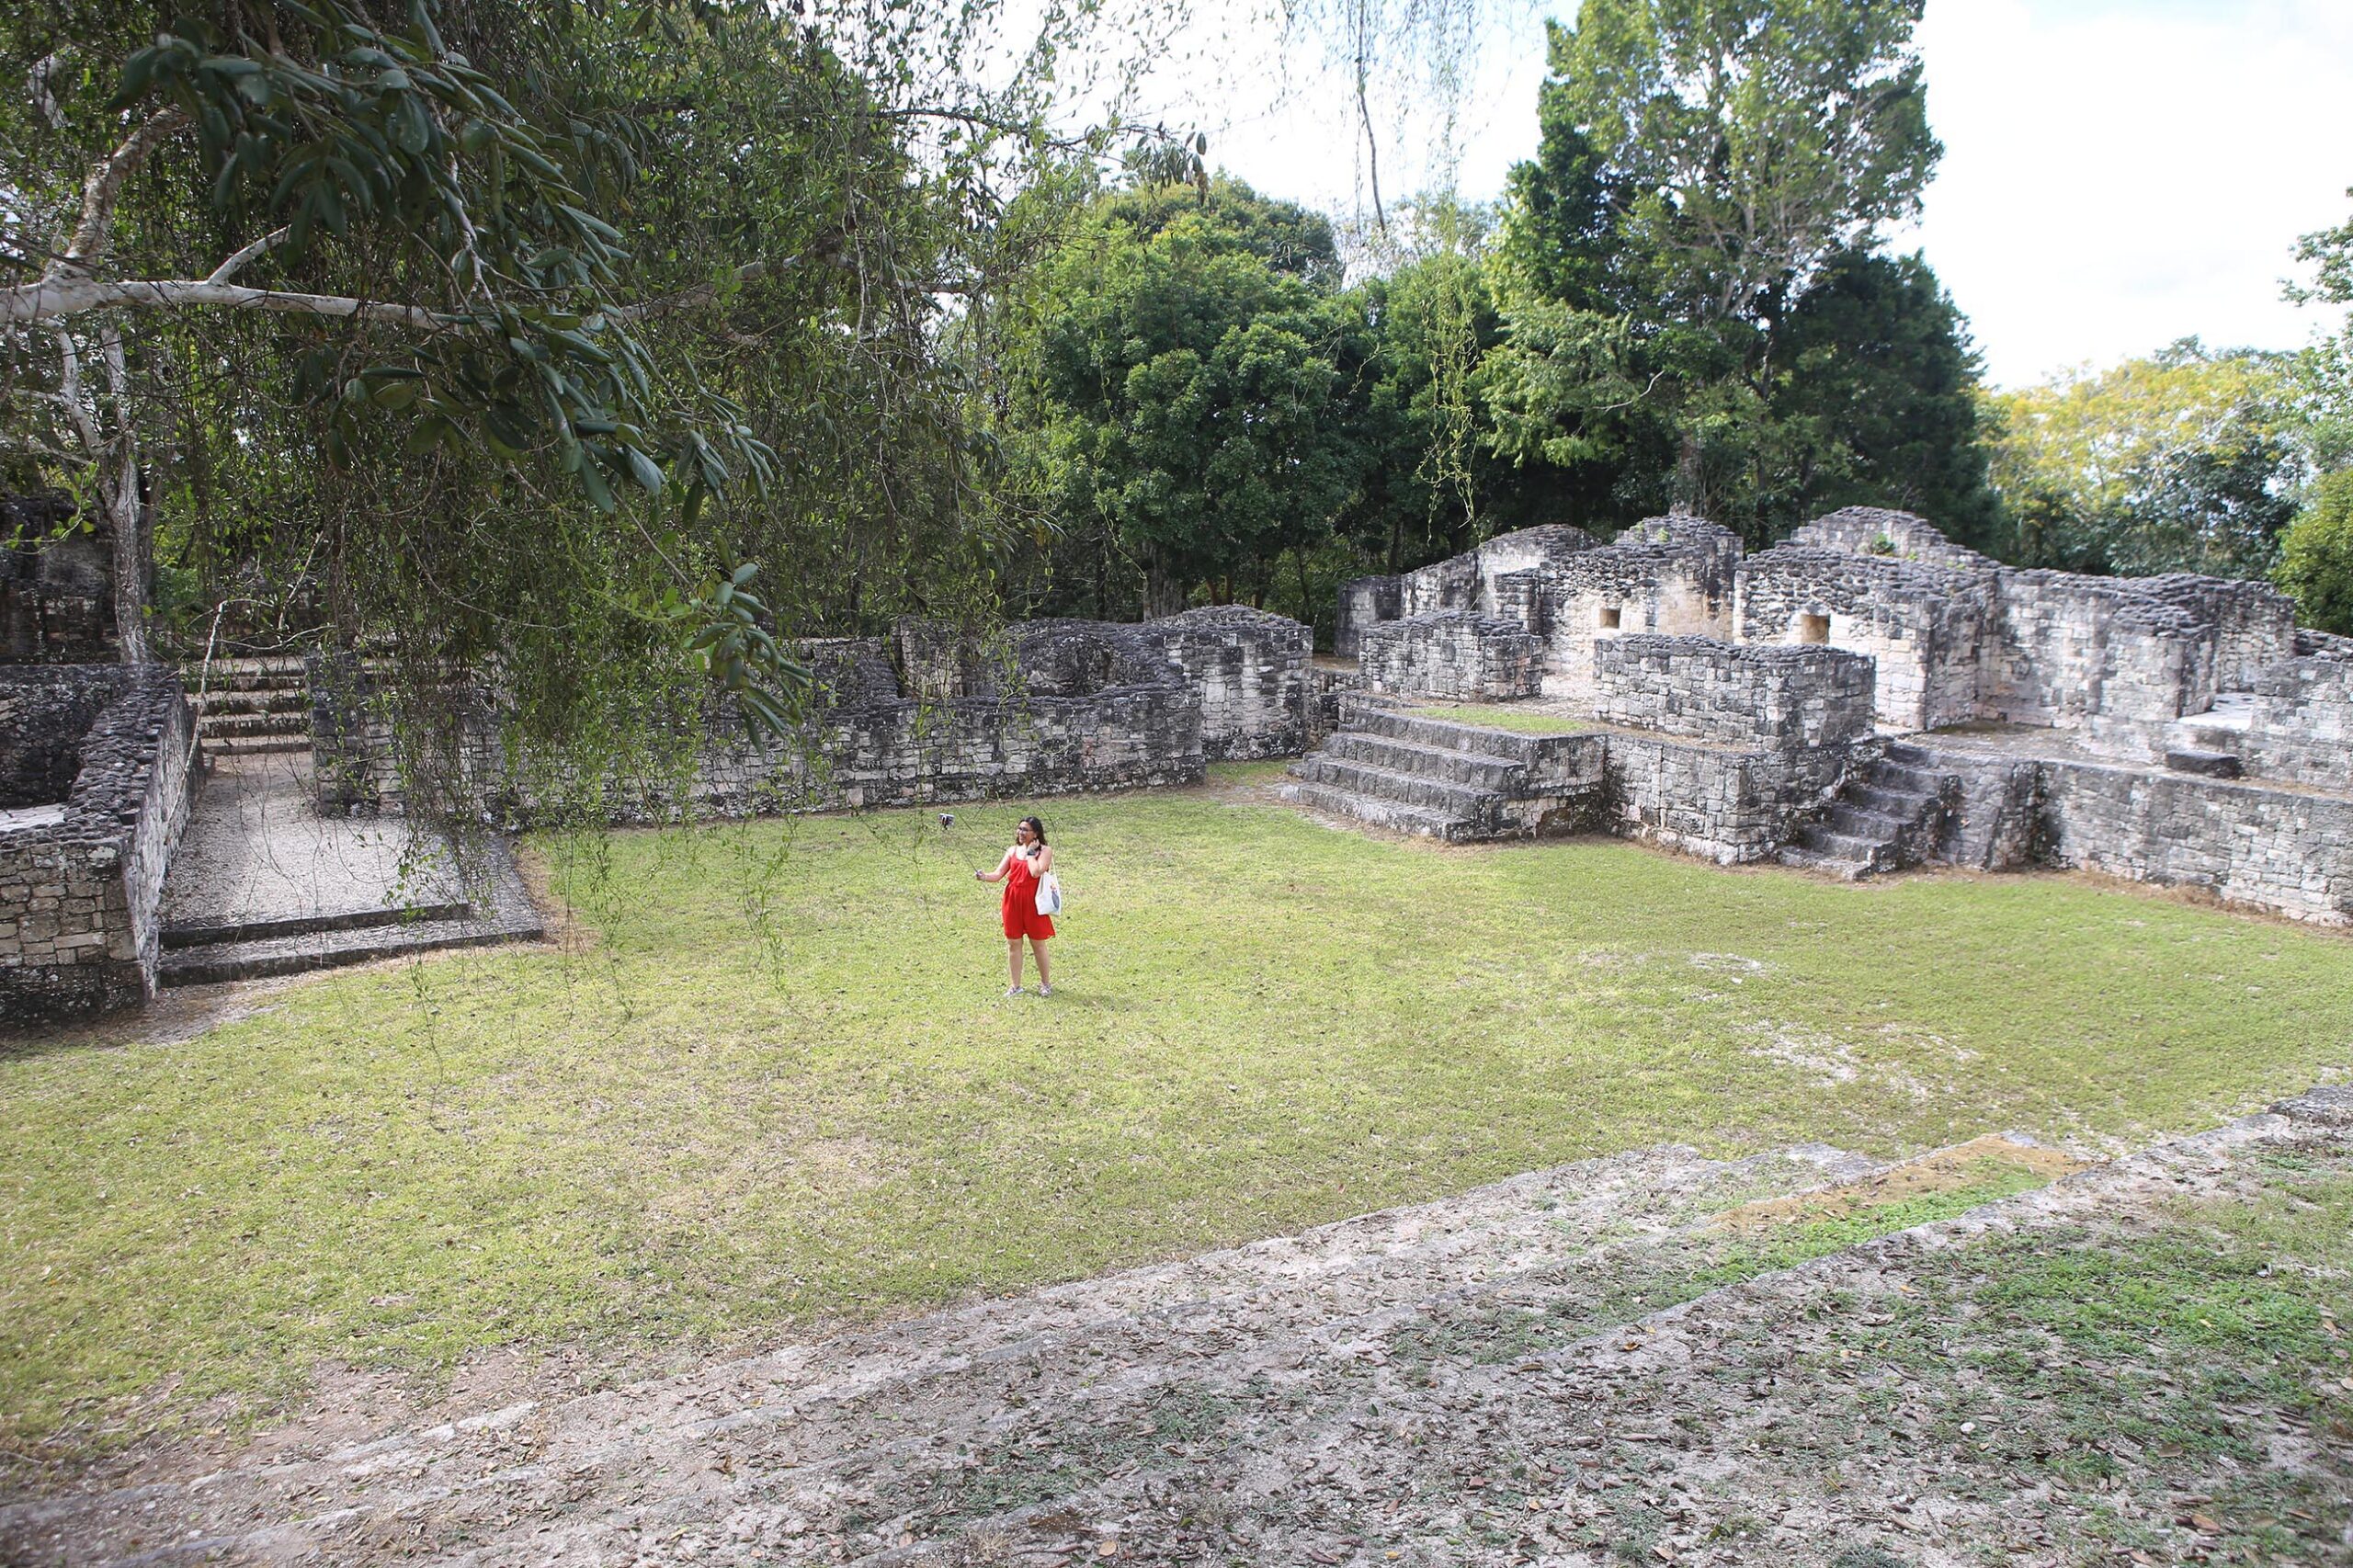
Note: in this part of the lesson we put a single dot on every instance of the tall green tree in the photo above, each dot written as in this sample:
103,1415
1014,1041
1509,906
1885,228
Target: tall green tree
1705,167
1191,382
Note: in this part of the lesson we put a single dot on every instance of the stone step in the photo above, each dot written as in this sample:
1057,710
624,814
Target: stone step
1866,854
1898,777
1445,734
1799,857
236,675
1904,805
279,723
1476,770
1907,754
1398,816
1859,821
257,959
254,745
1464,800
200,935
250,700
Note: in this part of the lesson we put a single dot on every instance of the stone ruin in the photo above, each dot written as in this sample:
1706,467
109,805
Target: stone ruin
1865,696
95,784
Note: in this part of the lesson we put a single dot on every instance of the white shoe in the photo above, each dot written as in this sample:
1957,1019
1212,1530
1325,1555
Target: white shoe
1013,990
1045,991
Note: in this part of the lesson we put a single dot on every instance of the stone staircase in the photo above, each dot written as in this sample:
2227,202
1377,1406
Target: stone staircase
1424,1384
249,707
1441,778
1883,819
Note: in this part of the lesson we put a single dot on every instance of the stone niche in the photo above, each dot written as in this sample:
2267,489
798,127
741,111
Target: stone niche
1452,653
94,788
1778,698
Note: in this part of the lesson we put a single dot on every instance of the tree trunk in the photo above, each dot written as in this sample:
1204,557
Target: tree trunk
1164,591
120,495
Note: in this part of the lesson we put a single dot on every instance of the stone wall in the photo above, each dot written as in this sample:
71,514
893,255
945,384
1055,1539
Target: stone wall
1921,621
81,880
1674,575
1049,707
1718,803
2285,850
1452,653
2252,624
1250,669
56,584
2302,727
2068,650
1696,687
1467,582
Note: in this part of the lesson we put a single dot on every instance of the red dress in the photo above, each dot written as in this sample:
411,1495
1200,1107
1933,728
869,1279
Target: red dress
1021,916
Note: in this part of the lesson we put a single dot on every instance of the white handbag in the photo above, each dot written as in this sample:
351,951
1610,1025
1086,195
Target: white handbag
1050,894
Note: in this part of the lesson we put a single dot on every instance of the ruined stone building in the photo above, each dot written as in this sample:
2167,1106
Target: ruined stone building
1865,696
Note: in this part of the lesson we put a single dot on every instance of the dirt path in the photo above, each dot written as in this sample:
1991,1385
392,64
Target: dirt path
1606,1363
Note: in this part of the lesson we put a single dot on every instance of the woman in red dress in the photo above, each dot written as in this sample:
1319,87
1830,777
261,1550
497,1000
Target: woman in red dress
1024,866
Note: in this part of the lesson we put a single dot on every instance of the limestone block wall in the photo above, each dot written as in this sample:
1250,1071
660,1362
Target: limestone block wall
1719,802
2252,624
1250,669
2302,727
1675,576
1452,653
1757,696
1877,532
2068,649
2286,851
1465,582
81,885
1921,622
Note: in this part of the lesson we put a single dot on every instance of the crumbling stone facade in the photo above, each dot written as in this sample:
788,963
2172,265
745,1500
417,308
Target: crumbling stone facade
81,866
927,715
1453,653
2197,737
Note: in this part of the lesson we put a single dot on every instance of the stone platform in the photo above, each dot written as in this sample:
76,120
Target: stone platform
263,884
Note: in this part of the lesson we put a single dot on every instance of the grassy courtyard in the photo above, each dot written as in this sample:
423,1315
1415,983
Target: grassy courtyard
778,1086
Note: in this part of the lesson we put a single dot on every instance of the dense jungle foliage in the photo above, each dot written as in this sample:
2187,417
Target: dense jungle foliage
614,344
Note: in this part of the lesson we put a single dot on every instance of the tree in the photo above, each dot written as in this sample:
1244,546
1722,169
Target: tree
512,333
1875,368
2189,460
1188,376
1706,166
1740,143
2317,558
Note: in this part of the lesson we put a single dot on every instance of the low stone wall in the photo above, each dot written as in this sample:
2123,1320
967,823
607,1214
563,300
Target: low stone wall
2302,727
1672,576
2278,850
81,886
1472,581
1452,653
1696,687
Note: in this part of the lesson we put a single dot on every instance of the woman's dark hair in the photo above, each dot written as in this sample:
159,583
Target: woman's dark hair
1034,826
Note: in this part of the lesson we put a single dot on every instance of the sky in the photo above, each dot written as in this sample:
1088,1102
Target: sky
2118,174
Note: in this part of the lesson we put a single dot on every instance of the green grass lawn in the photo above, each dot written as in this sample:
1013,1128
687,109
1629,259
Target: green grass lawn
783,1088
1504,716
